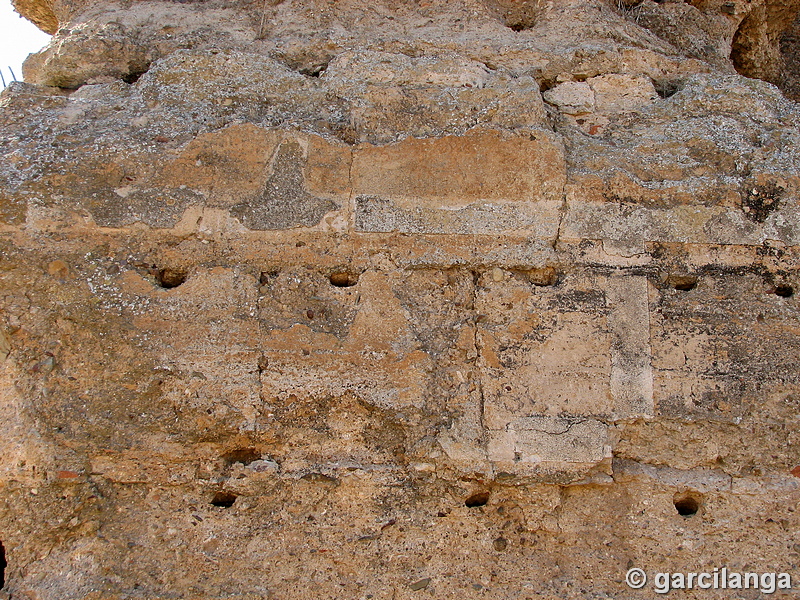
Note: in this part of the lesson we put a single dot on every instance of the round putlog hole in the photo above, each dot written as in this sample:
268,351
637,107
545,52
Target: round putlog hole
343,279
170,278
687,503
477,499
223,499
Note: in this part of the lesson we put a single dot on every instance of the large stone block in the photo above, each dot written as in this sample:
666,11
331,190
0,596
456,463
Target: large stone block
580,347
554,442
483,182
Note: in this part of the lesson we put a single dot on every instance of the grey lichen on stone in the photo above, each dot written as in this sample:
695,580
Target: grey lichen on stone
375,214
284,201
117,208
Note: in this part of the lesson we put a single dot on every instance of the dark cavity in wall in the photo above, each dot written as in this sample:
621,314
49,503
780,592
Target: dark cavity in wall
134,75
343,279
767,46
241,455
268,277
544,276
666,88
223,499
3,565
518,15
759,201
687,504
682,282
314,70
477,499
169,278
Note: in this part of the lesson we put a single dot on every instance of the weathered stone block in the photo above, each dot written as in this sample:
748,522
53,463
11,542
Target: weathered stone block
482,182
326,304
540,440
580,347
572,97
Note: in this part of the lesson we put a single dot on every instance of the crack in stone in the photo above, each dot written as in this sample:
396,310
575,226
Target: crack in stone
478,352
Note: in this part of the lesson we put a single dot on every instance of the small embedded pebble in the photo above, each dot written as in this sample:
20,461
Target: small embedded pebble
58,269
263,466
421,584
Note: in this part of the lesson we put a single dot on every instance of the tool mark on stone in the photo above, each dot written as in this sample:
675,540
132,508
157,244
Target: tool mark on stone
5,346
320,478
420,585
477,341
567,426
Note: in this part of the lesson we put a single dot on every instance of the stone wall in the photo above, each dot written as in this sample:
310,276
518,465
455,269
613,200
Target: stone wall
423,299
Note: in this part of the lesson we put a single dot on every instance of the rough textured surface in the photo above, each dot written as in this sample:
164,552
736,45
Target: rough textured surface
443,299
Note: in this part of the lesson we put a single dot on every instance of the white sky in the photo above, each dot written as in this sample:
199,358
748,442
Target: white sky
18,38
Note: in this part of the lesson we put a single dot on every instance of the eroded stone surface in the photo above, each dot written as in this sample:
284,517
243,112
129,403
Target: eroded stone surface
311,300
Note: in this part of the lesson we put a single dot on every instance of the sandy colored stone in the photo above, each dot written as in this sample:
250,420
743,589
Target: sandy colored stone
572,97
550,440
629,324
5,345
616,93
360,300
90,53
479,183
231,161
58,269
